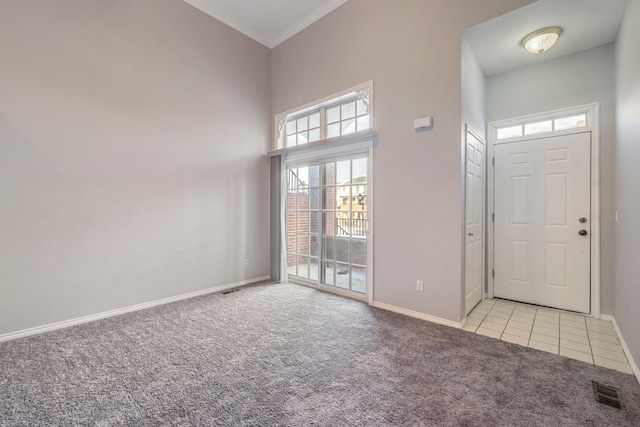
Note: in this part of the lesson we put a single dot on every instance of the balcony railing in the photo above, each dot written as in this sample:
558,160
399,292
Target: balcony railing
351,227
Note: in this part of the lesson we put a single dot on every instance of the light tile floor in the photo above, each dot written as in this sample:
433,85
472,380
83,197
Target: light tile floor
558,332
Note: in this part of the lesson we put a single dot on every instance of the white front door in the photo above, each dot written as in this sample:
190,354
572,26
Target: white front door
474,224
543,221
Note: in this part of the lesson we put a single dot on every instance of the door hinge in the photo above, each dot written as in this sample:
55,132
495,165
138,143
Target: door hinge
493,217
493,273
493,161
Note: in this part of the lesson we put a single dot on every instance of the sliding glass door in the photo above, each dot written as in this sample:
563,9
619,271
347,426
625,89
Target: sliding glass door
327,222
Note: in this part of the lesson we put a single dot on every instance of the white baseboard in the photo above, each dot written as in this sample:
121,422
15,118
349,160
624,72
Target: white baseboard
632,363
417,315
137,307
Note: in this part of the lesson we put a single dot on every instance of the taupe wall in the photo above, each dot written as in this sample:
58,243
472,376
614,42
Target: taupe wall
627,267
132,168
411,49
573,80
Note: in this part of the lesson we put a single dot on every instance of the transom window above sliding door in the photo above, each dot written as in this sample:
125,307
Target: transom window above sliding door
348,112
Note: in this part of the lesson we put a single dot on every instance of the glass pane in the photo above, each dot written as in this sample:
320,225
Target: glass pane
361,109
539,127
303,124
363,123
359,171
303,138
314,121
348,126
303,177
342,224
359,251
291,140
327,249
333,114
344,198
291,242
348,110
314,246
344,172
303,267
329,198
360,198
509,132
291,127
571,122
342,250
303,244
303,222
329,224
303,201
292,200
358,279
313,269
314,199
342,276
313,223
314,135
328,273
333,130
314,176
358,224
329,173
291,264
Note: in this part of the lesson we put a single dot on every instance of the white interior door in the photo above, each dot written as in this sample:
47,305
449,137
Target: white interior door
474,224
542,221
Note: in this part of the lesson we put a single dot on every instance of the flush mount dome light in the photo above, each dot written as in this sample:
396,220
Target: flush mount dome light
541,40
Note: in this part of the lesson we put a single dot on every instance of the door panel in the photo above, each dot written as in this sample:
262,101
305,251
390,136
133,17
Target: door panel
474,221
542,189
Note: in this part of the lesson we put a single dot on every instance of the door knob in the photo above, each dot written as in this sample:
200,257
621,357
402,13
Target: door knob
582,232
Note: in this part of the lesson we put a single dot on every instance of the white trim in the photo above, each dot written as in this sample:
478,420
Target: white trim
417,315
208,8
593,126
328,7
354,138
137,307
625,348
265,39
370,245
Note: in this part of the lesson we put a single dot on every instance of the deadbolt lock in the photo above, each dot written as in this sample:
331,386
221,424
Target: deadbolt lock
583,220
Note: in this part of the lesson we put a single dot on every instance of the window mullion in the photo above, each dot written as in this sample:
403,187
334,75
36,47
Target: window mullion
323,123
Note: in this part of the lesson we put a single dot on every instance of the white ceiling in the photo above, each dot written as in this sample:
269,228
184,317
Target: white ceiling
268,21
496,43
586,23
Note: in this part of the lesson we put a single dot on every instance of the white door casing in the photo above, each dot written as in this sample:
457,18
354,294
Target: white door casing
474,220
541,191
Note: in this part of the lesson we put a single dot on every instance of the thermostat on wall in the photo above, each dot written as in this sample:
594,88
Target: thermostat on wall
425,123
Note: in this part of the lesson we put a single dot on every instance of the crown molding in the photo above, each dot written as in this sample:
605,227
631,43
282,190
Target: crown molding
208,8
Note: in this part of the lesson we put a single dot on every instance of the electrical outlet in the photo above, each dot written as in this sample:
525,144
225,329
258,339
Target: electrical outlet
419,286
246,262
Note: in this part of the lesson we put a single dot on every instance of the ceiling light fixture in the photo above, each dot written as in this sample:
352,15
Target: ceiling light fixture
541,40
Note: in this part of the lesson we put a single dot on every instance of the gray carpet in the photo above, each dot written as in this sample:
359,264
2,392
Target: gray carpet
288,355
